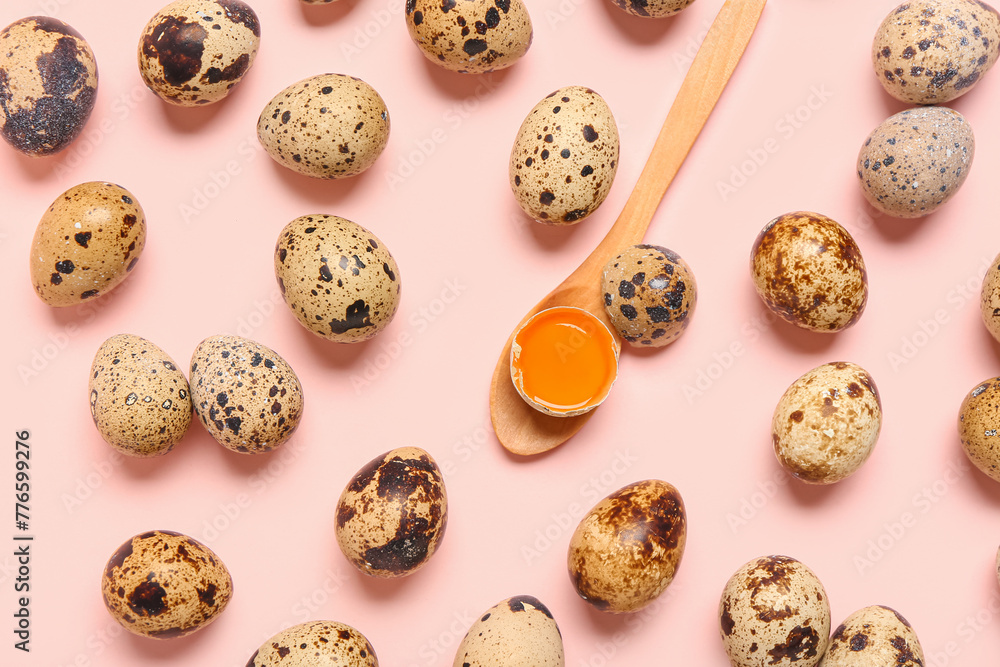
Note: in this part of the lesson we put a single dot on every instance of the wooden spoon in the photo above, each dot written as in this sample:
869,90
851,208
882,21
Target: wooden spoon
519,427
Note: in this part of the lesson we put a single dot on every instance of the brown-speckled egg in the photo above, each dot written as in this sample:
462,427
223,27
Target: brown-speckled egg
565,156
86,243
875,636
774,611
649,295
915,161
337,278
316,644
516,631
989,301
652,8
139,399
245,394
48,84
808,270
979,427
626,550
393,513
470,36
163,584
326,126
932,51
827,422
193,52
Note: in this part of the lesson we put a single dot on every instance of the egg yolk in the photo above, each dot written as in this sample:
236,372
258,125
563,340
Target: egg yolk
567,360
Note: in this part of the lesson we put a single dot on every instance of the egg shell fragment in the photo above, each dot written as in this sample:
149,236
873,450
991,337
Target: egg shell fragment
316,644
652,8
774,611
86,243
979,425
565,156
874,637
933,51
48,85
139,398
989,301
245,394
338,279
163,585
392,515
516,631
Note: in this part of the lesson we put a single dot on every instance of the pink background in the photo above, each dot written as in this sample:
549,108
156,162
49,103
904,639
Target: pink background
471,265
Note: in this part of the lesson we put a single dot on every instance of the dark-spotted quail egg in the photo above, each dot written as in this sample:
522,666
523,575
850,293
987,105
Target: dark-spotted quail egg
652,8
316,644
516,631
989,302
875,636
979,425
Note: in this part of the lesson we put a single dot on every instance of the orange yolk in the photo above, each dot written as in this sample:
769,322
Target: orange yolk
567,360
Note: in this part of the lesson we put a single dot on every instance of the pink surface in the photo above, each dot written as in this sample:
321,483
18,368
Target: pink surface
916,528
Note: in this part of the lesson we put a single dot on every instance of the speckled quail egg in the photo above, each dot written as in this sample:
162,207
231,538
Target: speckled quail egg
979,426
86,243
915,161
337,278
652,8
316,644
774,611
649,295
808,270
470,36
393,513
932,51
989,302
875,636
998,566
48,85
139,399
245,394
516,631
827,422
326,126
565,156
163,584
626,550
193,52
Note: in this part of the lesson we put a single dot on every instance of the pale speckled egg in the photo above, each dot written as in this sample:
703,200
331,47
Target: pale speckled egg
649,295
516,631
932,51
827,422
245,394
774,611
338,279
565,156
326,126
875,636
652,8
163,584
139,399
193,52
393,513
86,243
626,550
470,36
48,85
316,644
979,427
808,270
989,299
916,160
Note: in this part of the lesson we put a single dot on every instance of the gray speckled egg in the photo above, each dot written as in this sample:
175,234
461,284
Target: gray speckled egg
774,611
989,299
326,126
516,631
393,513
979,427
245,394
193,52
652,8
316,644
163,584
565,156
139,399
916,160
827,422
932,51
875,636
86,243
649,295
809,271
470,36
48,84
